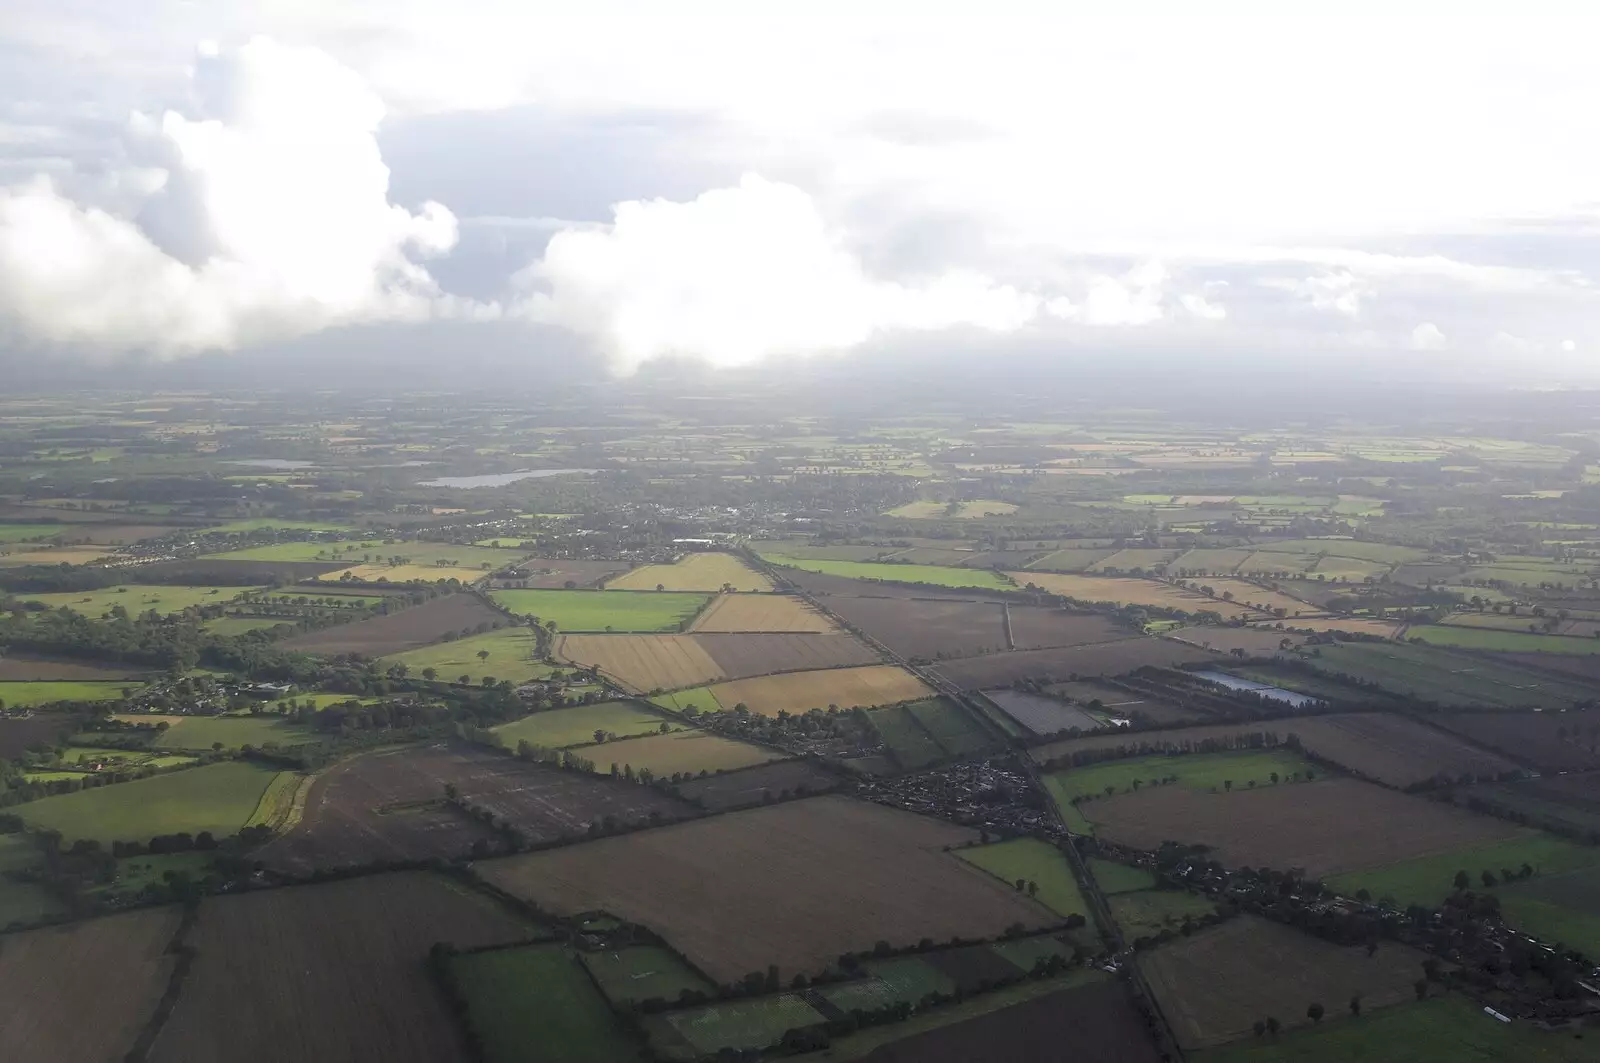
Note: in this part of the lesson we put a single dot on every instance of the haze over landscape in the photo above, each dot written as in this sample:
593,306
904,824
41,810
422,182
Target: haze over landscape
719,533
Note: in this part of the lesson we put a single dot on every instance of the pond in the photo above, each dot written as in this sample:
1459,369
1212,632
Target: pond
1233,682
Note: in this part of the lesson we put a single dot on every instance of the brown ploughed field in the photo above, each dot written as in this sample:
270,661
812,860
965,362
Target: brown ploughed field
1551,741
1106,658
794,884
1394,750
409,629
745,656
926,628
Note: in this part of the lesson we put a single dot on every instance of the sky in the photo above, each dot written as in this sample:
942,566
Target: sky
736,182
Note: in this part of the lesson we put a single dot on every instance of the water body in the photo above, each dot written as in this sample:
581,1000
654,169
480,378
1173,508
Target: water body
271,463
1233,682
500,479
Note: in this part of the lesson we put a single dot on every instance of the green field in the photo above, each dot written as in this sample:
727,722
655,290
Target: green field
640,611
376,551
1477,638
510,656
1113,877
1427,879
1146,913
910,745
753,1023
700,699
951,726
22,694
558,728
1195,771
533,1004
243,625
232,732
1034,861
219,798
22,902
905,979
137,600
643,972
21,533
1446,677
937,575
1442,1030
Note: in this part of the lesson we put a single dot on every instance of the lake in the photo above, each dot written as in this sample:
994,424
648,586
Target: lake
1233,682
500,479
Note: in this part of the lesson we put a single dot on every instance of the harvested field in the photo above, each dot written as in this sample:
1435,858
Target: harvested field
830,586
878,684
136,599
84,992
694,572
22,668
1105,658
17,736
690,752
389,805
384,573
926,628
1214,985
1322,827
1037,629
744,656
844,873
741,789
1550,741
1394,750
1254,641
1097,1022
326,972
18,556
764,613
408,629
550,573
1124,591
643,662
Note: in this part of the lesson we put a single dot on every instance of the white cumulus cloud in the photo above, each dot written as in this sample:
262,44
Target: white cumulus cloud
265,216
738,274
1427,337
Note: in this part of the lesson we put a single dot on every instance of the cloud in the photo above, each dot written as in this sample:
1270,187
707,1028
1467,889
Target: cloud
738,274
1427,337
265,217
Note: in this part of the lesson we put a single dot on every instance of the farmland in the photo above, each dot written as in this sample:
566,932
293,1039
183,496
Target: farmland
1447,677
732,1024
1394,750
754,786
306,973
1042,715
1474,638
549,572
1199,772
1105,658
24,668
643,972
1147,913
847,874
927,628
230,732
1437,1030
444,617
1427,877
688,752
389,805
907,741
642,662
137,600
536,995
113,970
694,572
510,656
845,687
557,728
451,560
219,798
746,656
1124,591
763,613
1325,827
622,611
25,695
1215,984
936,575
1032,860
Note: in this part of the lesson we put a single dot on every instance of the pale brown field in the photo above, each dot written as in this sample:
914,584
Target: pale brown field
84,992
59,555
408,573
876,684
1246,593
763,613
694,572
685,751
795,884
1124,591
1387,629
643,662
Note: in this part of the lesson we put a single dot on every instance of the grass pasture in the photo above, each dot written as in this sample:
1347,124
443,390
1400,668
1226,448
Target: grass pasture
137,599
710,572
230,732
510,656
21,695
536,1003
621,611
1194,771
220,798
1113,878
934,575
1146,913
642,972
558,728
1034,861
690,752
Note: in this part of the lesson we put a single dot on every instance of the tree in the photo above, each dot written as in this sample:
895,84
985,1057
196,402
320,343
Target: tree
1421,988
1260,1027
1314,1012
1462,881
430,674
1273,1025
464,679
1355,1006
483,655
1489,881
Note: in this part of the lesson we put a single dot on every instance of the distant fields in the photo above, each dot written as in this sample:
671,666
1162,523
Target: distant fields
510,656
624,611
1194,771
1475,638
1439,675
219,798
377,552
573,727
937,575
137,599
694,572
